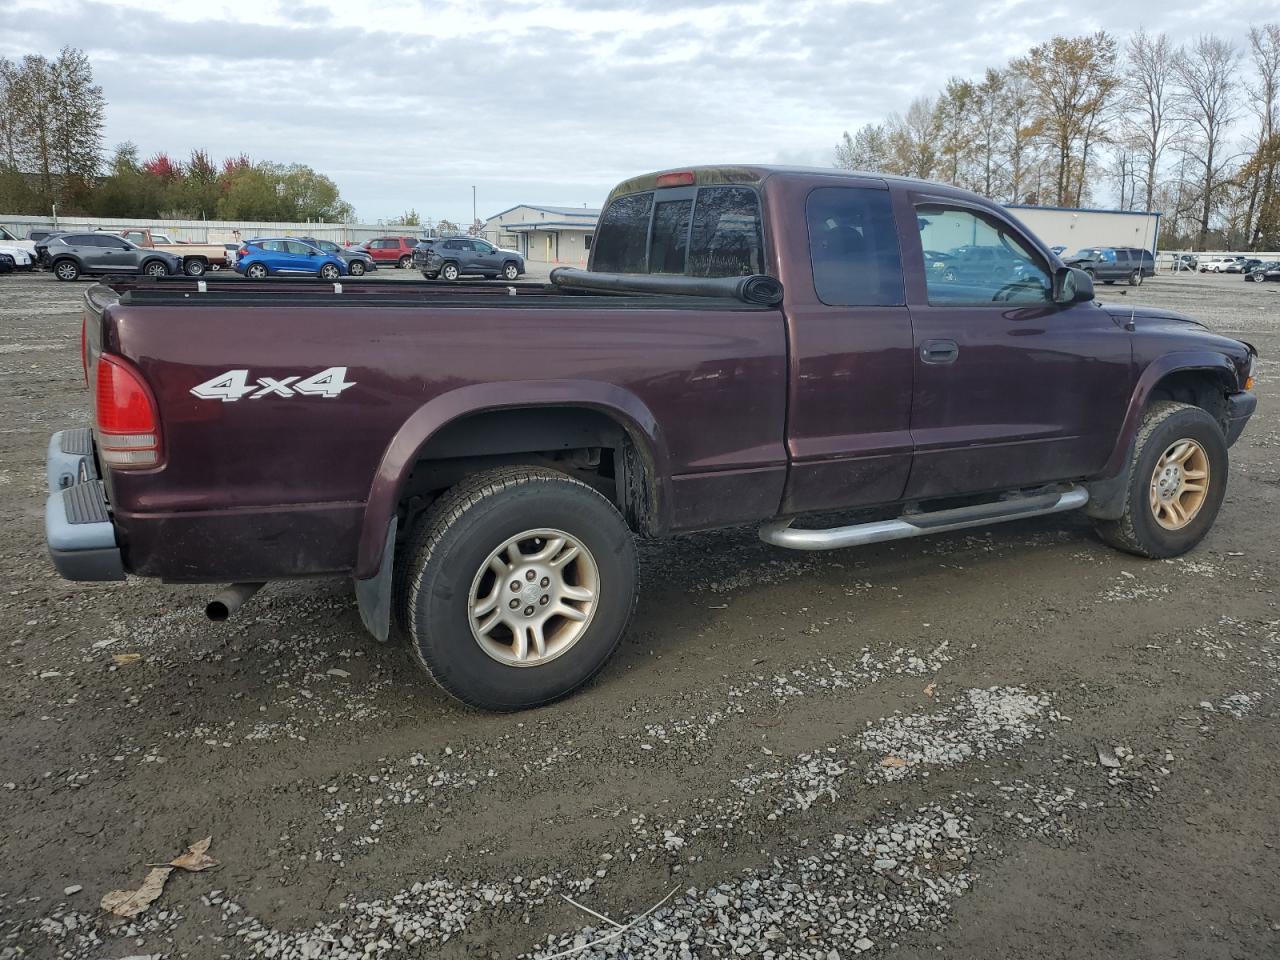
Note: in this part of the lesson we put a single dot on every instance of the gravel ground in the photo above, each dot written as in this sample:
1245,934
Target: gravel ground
1009,742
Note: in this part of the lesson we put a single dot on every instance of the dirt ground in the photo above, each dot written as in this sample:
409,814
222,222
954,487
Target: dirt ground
1011,742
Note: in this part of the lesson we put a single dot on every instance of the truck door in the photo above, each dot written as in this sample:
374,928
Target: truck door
850,364
1010,388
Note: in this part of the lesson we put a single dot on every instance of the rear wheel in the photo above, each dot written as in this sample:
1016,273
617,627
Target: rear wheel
450,271
356,268
255,271
155,268
66,270
517,587
1178,477
406,262
193,268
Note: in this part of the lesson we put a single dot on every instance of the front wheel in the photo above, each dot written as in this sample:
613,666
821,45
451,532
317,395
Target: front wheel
356,268
511,271
155,269
517,587
1178,477
330,272
193,268
1135,278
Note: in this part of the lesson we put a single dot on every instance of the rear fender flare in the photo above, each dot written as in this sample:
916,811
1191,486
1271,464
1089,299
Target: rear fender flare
1183,361
401,453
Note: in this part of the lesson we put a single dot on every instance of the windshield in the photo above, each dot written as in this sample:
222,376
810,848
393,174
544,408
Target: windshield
1089,253
6,235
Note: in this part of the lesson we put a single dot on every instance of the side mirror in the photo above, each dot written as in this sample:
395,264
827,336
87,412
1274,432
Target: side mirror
1071,285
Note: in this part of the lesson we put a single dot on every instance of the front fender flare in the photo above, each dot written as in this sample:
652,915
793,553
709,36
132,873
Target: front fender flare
399,457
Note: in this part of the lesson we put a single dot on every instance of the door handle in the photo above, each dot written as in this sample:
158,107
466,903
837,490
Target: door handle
939,351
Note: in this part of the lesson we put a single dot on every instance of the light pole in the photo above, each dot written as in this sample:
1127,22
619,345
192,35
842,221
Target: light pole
473,206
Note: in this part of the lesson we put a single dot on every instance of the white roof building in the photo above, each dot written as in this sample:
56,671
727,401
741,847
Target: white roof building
557,236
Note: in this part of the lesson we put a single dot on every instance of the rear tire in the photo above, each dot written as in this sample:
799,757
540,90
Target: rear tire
449,272
1149,527
406,262
66,270
460,556
193,268
255,271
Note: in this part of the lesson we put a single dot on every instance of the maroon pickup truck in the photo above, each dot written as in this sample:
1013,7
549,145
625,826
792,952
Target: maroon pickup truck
751,345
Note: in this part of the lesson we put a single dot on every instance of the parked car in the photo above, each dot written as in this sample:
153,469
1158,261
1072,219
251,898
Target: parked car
1248,265
19,258
196,257
480,465
358,261
285,256
1235,266
1110,264
1185,261
35,236
1216,264
231,252
978,262
1265,271
392,250
8,239
452,257
71,255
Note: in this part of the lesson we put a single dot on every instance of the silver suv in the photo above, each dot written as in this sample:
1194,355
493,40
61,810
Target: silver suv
452,257
71,255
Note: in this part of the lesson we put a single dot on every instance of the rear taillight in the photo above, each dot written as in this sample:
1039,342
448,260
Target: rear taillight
128,426
242,252
84,348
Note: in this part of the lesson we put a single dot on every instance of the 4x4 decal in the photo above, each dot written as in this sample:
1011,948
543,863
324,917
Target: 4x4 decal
234,385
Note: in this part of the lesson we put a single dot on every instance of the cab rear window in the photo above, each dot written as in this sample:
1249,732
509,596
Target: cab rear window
699,232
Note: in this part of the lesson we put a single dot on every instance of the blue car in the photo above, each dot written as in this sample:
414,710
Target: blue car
286,257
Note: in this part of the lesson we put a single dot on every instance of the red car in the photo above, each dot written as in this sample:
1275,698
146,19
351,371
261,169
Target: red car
392,250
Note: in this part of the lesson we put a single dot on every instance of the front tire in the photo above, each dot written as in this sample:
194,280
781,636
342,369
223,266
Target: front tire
155,268
1135,278
1177,479
570,556
356,268
510,271
330,272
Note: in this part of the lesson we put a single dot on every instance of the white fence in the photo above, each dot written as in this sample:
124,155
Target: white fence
216,231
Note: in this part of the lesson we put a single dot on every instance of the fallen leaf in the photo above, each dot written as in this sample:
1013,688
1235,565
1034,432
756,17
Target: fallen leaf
124,659
130,903
893,762
196,858
928,691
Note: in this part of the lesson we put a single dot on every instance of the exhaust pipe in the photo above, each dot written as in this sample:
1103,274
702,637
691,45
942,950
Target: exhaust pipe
231,599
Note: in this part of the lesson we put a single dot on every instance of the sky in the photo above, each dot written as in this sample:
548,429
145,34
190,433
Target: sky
411,103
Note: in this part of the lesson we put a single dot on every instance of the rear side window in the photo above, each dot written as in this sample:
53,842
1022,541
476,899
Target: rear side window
623,235
853,243
726,238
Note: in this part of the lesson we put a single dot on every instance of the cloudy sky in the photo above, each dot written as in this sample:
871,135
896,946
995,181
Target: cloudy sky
408,103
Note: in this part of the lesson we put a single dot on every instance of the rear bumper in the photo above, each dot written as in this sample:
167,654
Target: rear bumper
1240,407
77,520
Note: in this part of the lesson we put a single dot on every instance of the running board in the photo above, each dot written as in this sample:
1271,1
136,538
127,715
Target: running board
780,534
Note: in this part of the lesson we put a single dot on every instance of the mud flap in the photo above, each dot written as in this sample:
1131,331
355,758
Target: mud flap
1107,496
373,596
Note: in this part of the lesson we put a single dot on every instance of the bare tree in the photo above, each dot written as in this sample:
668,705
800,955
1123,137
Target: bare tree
1260,174
1148,89
1205,101
913,140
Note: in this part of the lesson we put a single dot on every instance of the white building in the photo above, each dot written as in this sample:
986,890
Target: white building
1075,229
556,236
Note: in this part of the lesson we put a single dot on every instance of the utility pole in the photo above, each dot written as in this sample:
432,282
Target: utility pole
473,204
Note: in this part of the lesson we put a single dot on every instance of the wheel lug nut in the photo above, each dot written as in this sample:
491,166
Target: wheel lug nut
515,586
545,600
528,611
530,575
545,582
514,604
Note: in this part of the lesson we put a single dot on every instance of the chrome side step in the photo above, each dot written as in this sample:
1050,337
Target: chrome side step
780,534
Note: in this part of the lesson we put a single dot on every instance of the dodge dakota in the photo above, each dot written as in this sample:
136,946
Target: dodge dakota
749,345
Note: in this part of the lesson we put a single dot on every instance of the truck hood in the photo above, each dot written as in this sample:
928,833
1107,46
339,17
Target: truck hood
1148,316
